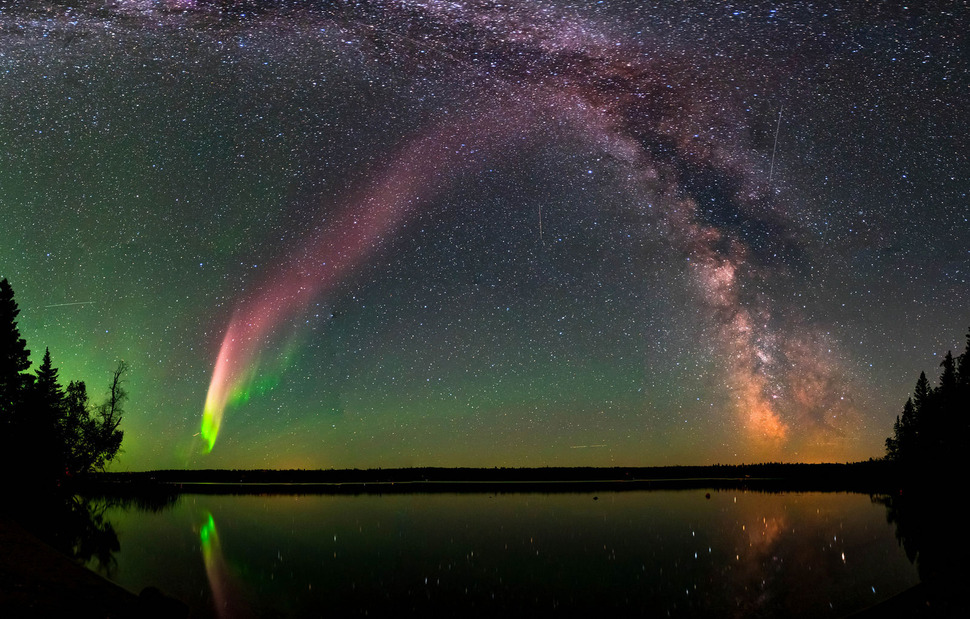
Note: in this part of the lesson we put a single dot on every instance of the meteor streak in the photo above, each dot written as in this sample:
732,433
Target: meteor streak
67,304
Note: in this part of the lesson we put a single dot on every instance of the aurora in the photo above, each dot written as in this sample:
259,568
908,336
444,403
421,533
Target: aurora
365,221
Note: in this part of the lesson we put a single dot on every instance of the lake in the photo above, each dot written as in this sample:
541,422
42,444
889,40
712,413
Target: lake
676,553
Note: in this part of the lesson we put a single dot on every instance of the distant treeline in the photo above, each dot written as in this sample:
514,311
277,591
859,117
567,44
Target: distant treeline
861,476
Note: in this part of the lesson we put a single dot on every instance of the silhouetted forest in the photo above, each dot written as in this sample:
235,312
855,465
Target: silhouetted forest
932,434
50,434
927,456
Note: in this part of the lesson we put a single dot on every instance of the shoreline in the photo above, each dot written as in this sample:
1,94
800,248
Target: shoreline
38,581
867,477
471,487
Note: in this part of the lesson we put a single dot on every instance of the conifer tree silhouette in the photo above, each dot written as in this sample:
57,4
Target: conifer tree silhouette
933,431
48,433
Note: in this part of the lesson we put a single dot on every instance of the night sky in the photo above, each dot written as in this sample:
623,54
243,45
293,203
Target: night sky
396,233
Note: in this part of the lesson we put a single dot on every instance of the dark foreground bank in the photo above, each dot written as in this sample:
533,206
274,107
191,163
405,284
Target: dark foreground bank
38,581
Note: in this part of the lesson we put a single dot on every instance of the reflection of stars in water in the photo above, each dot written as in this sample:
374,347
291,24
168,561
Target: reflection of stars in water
442,178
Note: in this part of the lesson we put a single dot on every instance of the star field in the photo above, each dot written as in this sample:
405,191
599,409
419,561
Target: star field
399,233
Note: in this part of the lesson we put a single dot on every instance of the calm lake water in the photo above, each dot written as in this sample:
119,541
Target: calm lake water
674,553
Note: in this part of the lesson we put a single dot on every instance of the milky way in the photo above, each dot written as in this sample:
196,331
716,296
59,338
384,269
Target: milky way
677,149
492,233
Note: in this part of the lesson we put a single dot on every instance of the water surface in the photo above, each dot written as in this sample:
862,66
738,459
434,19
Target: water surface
675,553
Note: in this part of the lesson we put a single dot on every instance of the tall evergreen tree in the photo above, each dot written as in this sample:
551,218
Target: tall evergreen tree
46,388
14,362
14,356
43,421
922,394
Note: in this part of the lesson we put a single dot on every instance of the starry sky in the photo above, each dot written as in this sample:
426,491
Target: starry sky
517,233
